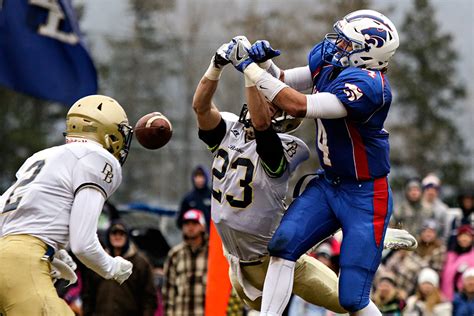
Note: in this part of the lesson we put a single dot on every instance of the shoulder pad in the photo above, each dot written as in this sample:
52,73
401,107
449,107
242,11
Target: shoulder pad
368,81
315,60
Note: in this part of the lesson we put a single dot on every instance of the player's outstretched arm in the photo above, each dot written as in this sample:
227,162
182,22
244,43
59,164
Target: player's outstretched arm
269,145
262,53
85,212
207,114
295,103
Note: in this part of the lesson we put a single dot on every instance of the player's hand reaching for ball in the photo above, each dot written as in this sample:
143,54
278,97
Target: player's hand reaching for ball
261,51
123,269
238,53
219,59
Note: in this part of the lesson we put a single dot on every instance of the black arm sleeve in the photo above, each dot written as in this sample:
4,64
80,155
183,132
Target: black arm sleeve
270,150
214,136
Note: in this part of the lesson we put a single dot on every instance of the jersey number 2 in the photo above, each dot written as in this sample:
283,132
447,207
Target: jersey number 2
244,183
14,200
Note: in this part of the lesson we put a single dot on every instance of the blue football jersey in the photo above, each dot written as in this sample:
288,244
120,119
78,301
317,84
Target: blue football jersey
355,146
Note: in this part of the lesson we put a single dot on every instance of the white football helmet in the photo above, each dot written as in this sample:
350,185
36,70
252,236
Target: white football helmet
101,119
372,37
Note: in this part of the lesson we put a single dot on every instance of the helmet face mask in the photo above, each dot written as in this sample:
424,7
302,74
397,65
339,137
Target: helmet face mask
369,41
103,120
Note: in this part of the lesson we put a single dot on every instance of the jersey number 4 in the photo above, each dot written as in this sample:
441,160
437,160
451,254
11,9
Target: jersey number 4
323,143
244,183
29,176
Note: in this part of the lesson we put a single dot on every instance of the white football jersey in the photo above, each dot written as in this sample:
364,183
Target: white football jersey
247,204
40,201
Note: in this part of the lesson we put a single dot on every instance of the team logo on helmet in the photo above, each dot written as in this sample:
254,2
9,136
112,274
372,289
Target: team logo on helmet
375,36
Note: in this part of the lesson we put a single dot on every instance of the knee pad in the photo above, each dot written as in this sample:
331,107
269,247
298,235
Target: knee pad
352,303
282,244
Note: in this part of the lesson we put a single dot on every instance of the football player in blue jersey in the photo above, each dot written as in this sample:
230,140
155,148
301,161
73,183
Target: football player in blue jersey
350,102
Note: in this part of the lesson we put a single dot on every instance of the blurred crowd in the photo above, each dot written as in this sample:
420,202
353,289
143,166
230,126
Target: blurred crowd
435,279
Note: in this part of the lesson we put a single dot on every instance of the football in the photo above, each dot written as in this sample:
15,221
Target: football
153,130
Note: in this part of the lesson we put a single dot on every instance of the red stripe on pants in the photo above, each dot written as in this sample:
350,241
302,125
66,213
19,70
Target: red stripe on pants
380,208
360,155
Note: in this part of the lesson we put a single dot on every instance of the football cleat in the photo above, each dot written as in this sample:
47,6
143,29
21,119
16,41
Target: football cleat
399,239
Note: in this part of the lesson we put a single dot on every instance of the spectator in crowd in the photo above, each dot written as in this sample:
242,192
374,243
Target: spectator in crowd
324,254
433,205
466,204
136,296
428,300
463,304
409,214
431,252
198,198
388,298
185,269
457,261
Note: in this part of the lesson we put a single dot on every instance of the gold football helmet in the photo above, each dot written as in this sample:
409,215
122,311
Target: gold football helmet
101,119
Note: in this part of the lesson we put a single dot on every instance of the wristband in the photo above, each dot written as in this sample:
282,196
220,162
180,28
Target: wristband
213,73
248,83
254,72
265,83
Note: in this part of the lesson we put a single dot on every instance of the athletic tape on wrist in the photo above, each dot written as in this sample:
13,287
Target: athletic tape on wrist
248,83
213,73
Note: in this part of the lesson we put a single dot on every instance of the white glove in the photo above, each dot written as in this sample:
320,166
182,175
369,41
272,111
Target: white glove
238,53
123,270
62,267
218,62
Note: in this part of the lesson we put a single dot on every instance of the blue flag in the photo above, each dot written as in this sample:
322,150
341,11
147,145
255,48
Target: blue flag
42,53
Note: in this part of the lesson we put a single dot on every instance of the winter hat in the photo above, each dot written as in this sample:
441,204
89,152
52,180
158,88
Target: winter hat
431,181
428,275
324,250
465,229
429,223
469,273
194,215
413,183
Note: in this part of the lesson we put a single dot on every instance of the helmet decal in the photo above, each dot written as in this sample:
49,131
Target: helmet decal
374,36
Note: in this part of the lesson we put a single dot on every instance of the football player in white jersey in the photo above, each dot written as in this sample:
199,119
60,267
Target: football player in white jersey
253,162
56,201
251,170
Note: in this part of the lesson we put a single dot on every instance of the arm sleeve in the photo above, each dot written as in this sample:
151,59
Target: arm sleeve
324,105
299,78
85,212
270,151
213,137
